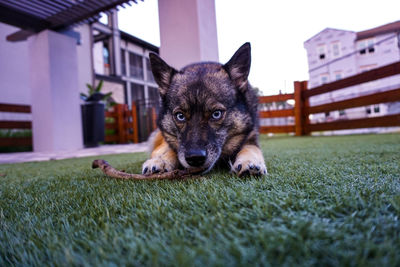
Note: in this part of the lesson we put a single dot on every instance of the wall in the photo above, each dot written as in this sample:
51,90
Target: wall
14,73
84,50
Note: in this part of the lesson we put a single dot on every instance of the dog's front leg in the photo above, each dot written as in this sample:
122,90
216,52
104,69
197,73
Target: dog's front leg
249,161
162,158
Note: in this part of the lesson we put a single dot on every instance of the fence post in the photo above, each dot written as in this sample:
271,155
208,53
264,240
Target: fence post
298,108
135,123
306,105
120,122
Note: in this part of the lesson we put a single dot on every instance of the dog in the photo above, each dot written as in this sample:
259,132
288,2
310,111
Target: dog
208,116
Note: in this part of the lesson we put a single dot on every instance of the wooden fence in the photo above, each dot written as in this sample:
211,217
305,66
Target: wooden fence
123,123
302,109
11,125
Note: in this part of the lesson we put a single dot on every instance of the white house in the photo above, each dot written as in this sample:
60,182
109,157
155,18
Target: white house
335,54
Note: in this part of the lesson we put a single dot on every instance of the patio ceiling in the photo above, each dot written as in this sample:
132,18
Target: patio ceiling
33,16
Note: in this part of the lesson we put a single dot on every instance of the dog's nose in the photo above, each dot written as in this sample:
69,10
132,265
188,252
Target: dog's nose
196,157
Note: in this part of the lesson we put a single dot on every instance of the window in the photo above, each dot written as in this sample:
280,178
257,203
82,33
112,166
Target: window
327,114
321,51
137,92
153,94
372,109
366,46
106,59
123,63
135,66
335,49
342,112
106,55
365,68
338,76
150,76
324,78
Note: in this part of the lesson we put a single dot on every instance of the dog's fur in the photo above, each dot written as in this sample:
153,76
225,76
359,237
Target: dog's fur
208,115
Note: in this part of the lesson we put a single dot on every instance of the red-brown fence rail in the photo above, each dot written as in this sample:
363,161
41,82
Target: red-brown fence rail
302,109
15,125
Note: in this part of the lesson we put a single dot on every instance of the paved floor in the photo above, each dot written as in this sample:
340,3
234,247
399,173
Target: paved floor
86,152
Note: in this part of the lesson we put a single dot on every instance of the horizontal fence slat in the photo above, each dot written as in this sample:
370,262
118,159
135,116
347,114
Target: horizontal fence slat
276,113
111,126
277,129
130,137
382,121
128,113
15,108
376,98
15,125
274,98
111,114
368,76
15,141
128,125
111,138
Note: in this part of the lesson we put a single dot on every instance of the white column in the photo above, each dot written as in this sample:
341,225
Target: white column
56,112
188,31
115,54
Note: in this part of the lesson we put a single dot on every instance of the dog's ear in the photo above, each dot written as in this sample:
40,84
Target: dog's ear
162,72
238,67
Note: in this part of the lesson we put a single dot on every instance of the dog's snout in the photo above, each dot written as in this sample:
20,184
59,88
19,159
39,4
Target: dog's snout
195,157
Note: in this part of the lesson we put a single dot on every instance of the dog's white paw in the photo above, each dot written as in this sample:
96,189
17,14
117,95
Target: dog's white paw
158,164
249,167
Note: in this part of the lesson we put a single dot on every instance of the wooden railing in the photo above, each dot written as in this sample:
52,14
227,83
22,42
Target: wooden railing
302,109
264,114
124,124
13,125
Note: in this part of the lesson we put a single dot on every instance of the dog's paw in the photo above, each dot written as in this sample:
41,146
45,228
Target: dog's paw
249,167
156,165
249,162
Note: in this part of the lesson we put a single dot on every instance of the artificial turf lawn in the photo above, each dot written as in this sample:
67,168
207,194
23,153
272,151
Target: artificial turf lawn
326,201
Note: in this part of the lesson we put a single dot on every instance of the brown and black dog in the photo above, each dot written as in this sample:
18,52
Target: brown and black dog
208,115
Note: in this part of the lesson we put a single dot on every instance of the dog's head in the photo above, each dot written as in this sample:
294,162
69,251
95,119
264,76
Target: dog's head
203,107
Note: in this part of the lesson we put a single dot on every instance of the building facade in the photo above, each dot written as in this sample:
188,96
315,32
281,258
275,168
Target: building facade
336,54
127,74
122,62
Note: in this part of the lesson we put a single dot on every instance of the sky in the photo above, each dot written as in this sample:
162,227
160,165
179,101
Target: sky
276,30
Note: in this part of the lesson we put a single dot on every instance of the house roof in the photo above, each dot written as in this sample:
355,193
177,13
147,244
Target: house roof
36,15
387,28
135,40
324,30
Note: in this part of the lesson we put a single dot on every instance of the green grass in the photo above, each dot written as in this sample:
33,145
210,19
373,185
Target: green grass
327,201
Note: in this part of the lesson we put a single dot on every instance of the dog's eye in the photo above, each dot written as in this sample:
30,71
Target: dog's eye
217,115
180,117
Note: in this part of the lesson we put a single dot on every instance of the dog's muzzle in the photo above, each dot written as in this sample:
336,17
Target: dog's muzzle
196,157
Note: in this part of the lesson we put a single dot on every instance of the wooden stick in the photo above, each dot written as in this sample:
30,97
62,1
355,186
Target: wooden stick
111,172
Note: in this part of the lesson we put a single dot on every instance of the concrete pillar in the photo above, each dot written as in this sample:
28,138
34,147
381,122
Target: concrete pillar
56,112
115,48
188,31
